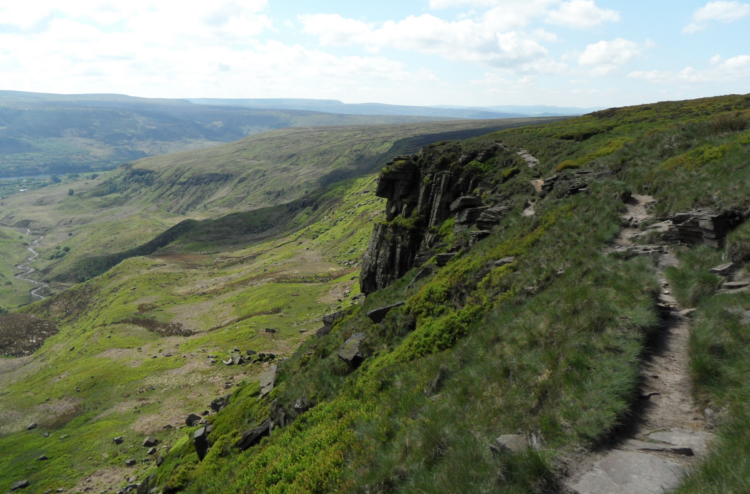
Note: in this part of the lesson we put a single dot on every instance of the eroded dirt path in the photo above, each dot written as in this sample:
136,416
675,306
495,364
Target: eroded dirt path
26,266
668,433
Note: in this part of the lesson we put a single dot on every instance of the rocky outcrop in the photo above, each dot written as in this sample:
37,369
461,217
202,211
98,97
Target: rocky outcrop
252,437
706,227
351,353
377,315
422,192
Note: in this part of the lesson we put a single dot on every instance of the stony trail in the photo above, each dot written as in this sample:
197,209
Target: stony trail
668,436
35,296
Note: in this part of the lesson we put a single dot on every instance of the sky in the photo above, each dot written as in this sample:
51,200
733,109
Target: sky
584,53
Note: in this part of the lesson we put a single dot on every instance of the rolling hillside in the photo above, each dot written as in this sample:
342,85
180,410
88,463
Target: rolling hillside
515,312
58,134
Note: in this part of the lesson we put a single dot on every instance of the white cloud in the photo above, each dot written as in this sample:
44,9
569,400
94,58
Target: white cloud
717,11
606,57
720,70
581,14
493,40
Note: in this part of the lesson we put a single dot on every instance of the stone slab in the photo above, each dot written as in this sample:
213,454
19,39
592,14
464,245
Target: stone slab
626,472
697,441
635,445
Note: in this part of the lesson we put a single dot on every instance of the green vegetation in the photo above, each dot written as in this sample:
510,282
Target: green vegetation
549,344
13,292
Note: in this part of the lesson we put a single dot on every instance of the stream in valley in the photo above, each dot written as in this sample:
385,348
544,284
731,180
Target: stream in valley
27,270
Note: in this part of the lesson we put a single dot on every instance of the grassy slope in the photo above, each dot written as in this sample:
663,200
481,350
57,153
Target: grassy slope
228,298
515,360
528,349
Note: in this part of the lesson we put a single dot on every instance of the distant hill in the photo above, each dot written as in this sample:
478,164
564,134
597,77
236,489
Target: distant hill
57,134
334,106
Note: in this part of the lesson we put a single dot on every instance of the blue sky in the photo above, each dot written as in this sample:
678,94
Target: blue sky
582,53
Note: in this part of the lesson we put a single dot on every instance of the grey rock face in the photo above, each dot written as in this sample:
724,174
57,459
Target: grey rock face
252,437
350,351
377,315
267,381
706,227
626,472
423,273
465,202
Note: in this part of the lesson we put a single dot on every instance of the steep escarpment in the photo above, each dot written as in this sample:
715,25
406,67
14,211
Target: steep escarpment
468,184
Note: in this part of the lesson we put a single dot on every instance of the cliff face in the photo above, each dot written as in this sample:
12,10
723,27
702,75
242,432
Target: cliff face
425,190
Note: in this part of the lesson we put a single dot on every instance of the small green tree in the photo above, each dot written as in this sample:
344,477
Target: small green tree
71,192
55,179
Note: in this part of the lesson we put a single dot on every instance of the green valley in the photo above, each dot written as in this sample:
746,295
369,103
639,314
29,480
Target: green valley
426,307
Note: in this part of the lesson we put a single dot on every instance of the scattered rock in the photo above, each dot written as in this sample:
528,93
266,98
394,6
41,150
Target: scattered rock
252,437
627,472
443,259
328,322
504,261
151,451
228,362
130,462
510,443
192,419
635,445
528,158
237,359
31,427
301,405
149,442
21,484
46,434
477,236
159,461
687,312
219,403
119,439
350,351
200,440
42,458
377,315
723,269
735,285
267,381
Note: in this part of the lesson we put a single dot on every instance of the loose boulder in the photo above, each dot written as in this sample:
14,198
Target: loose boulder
219,403
267,381
119,440
192,419
510,443
350,352
377,315
31,427
252,437
21,484
130,462
328,321
200,441
724,269
42,458
149,442
151,451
